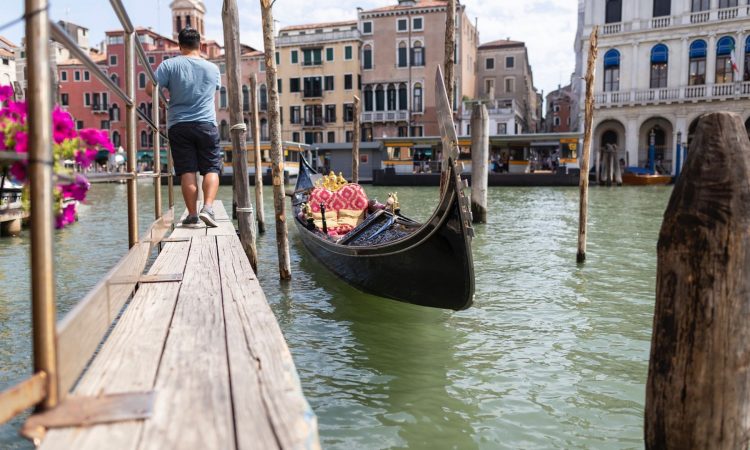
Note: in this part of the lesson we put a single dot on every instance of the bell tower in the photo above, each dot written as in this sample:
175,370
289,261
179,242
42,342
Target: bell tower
187,13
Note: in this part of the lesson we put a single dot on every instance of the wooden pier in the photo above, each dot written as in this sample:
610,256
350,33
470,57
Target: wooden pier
200,334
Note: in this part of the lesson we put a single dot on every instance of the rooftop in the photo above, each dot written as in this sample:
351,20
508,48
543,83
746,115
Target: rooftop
311,26
502,43
418,4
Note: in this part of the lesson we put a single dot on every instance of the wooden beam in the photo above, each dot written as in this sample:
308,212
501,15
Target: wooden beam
698,389
24,395
277,155
586,151
245,219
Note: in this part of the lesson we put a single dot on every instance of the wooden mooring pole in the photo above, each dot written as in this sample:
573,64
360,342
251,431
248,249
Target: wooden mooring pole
355,142
256,149
480,154
230,19
698,389
277,155
586,151
449,78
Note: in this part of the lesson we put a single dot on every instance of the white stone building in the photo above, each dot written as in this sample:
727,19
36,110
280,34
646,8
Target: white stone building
7,62
506,117
661,64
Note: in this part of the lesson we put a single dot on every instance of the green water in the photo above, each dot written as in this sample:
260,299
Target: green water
552,355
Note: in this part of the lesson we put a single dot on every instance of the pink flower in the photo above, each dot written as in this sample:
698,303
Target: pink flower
2,140
85,157
63,126
16,111
6,92
67,216
76,190
22,142
94,137
18,171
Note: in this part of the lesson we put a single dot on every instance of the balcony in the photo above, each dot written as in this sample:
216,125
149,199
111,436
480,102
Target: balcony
310,94
385,116
683,94
728,13
661,22
313,124
687,18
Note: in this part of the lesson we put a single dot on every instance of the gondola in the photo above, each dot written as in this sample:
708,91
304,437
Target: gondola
389,255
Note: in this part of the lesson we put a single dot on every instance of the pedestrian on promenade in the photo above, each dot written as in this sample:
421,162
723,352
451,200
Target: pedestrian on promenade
192,83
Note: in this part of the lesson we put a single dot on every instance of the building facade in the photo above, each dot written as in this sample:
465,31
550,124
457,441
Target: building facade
8,74
504,73
559,106
402,47
251,62
319,76
661,64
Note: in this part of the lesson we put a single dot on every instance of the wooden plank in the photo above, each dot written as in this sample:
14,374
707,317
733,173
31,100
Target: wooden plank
129,359
81,331
193,408
24,395
294,424
226,226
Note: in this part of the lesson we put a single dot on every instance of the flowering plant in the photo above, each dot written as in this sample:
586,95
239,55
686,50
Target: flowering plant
68,143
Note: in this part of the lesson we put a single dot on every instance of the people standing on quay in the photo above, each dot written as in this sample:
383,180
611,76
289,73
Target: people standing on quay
192,83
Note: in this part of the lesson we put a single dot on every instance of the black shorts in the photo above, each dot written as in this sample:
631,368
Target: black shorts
195,148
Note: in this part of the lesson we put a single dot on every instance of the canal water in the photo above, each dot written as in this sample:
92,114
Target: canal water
552,355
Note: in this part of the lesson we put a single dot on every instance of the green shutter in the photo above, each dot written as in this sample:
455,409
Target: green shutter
329,54
348,52
295,57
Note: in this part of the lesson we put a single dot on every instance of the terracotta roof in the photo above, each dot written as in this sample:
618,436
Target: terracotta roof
502,43
6,42
96,57
5,53
419,4
318,25
253,53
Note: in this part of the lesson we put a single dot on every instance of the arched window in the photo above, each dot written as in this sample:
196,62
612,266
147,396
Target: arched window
612,71
114,113
142,108
223,97
263,130
115,79
417,54
263,97
662,8
613,12
142,80
367,57
698,50
144,139
224,131
417,100
116,139
746,76
178,23
403,100
245,98
379,98
368,99
402,55
724,66
391,97
659,66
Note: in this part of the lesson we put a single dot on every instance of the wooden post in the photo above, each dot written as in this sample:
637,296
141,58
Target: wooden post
480,154
230,19
585,156
618,169
277,156
256,148
355,142
698,389
450,49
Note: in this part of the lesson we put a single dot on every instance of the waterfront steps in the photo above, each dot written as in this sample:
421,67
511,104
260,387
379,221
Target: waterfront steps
211,349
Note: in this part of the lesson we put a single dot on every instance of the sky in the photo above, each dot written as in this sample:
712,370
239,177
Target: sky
547,26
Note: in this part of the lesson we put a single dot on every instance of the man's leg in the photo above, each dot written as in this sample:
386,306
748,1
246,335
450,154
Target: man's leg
189,185
210,188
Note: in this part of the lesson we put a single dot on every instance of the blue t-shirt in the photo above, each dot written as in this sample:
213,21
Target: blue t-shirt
192,85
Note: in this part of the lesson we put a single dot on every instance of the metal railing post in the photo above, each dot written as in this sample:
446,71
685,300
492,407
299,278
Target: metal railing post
40,175
157,151
131,130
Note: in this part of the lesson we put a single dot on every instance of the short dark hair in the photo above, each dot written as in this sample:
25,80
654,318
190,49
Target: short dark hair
189,38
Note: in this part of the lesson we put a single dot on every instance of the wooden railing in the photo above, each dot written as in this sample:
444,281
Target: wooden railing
62,350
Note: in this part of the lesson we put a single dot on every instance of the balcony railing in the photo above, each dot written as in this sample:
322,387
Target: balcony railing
661,22
688,18
723,91
612,28
699,17
385,116
728,13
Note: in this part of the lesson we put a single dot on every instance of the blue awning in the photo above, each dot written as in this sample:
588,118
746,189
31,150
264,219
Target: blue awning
612,58
698,49
659,54
725,46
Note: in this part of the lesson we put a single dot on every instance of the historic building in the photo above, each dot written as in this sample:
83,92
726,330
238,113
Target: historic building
559,106
661,64
318,67
504,73
7,62
402,46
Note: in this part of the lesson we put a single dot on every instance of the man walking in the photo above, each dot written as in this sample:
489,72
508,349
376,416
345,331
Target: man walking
192,83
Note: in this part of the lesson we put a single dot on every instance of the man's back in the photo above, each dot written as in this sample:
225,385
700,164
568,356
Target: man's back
192,85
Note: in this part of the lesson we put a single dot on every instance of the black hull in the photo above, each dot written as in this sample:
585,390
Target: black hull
431,267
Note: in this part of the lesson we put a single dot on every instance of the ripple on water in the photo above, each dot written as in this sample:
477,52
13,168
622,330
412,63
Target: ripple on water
552,355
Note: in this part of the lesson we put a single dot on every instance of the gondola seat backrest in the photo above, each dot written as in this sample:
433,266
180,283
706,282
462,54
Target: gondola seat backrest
345,207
